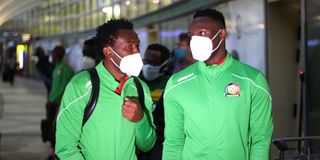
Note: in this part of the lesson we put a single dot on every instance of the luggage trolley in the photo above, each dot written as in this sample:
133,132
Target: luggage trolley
306,153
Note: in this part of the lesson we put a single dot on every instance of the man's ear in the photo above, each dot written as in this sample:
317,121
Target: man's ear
223,34
106,52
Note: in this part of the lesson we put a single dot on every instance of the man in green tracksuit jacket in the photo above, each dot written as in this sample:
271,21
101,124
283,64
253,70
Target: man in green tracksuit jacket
218,108
118,123
61,75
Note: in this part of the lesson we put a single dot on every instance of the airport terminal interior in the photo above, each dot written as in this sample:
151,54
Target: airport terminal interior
280,38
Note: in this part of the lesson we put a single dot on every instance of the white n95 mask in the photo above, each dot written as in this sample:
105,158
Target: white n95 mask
201,47
130,64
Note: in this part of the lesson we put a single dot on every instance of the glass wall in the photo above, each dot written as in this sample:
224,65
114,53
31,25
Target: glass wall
245,22
246,26
170,30
56,17
312,69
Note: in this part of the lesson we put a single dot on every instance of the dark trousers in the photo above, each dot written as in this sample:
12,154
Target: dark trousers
51,111
154,154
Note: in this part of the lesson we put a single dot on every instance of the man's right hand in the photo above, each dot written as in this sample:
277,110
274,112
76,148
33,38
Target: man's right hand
131,110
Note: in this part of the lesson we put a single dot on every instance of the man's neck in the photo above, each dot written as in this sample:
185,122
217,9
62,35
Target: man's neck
58,62
114,70
186,62
216,57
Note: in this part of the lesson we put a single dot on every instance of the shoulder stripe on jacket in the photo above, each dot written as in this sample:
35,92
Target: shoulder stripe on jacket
68,106
245,78
181,82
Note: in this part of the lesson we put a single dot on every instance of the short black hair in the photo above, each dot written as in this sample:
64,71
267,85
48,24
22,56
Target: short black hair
92,48
184,37
165,53
39,52
107,32
213,14
59,52
90,42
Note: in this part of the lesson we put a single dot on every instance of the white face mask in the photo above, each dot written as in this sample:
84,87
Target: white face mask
201,47
130,65
151,72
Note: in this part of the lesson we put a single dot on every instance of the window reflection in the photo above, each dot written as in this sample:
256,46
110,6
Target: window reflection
66,16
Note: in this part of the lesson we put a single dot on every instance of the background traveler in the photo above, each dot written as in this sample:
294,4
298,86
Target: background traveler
91,53
181,56
155,74
9,65
61,75
44,68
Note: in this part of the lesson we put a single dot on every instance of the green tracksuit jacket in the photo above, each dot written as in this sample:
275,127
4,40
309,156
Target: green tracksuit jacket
217,112
107,135
61,75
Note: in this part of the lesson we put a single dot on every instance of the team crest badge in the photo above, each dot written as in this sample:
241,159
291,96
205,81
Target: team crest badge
232,89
